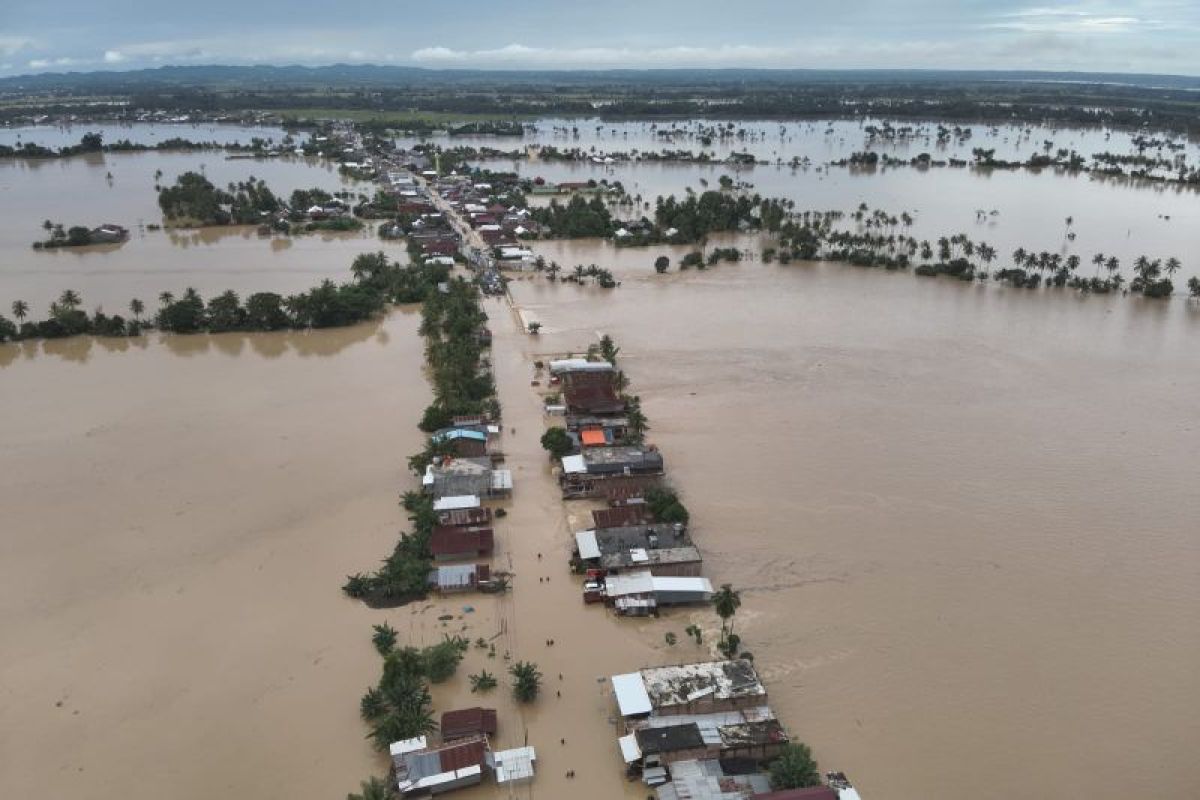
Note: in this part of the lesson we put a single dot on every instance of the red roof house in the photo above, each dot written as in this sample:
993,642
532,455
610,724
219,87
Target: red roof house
468,722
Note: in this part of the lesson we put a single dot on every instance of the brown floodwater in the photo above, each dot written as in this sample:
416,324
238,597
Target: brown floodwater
78,191
179,516
963,519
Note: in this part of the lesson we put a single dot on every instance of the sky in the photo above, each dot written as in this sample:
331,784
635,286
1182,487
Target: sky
1161,36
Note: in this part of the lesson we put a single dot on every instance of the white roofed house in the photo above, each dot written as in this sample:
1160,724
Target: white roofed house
449,476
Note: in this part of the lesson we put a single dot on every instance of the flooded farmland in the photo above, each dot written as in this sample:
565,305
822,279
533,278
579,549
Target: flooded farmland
962,516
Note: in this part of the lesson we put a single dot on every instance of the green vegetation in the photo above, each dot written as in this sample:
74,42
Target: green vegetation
579,217
670,638
461,383
482,682
77,236
795,768
372,788
400,706
384,638
404,574
194,200
527,681
662,264
557,442
726,602
696,634
665,506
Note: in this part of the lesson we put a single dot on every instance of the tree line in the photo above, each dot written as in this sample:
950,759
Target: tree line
376,282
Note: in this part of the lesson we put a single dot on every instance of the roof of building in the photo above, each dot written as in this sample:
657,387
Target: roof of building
424,767
447,541
468,722
465,517
657,557
516,764
456,502
811,793
631,695
593,437
459,576
669,739
593,399
579,365
721,680
622,516
642,582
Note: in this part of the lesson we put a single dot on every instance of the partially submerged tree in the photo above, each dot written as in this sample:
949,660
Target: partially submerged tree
795,768
527,681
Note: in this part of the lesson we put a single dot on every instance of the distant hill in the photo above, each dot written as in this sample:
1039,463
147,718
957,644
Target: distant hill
370,75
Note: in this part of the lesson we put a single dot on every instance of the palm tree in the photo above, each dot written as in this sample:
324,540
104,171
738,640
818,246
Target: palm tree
373,788
166,298
527,681
20,310
69,299
726,603
1098,260
136,307
1172,266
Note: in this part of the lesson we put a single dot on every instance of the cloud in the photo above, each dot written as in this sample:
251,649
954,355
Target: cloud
11,45
43,63
1068,20
114,57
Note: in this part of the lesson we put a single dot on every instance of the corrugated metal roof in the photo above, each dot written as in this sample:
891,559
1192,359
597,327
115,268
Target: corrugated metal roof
456,502
629,748
586,542
573,465
631,694
514,765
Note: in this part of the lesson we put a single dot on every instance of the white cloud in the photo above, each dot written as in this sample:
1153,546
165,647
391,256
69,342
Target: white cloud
11,45
43,63
114,57
678,56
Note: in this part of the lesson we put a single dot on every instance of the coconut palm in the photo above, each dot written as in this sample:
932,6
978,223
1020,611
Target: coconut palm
20,310
69,299
166,298
372,788
1172,266
726,602
136,307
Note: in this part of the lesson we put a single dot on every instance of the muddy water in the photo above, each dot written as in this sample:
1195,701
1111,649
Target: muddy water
140,133
78,191
818,141
179,518
962,519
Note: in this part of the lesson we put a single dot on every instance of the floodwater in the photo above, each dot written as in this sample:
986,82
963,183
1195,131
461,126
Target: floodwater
139,133
79,191
962,518
179,517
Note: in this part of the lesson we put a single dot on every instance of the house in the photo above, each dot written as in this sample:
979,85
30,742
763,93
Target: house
108,234
614,461
466,442
810,793
465,517
421,769
615,428
707,779
663,549
460,578
752,733
462,476
704,687
640,593
595,398
465,502
622,516
449,544
468,722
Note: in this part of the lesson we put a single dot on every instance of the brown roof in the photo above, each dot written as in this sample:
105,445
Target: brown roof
468,722
593,399
811,793
465,754
622,516
447,541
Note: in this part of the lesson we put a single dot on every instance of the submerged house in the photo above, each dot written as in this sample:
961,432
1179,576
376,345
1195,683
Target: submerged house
422,770
465,517
467,442
460,502
468,722
663,549
622,516
640,593
593,399
449,544
466,476
586,474
451,579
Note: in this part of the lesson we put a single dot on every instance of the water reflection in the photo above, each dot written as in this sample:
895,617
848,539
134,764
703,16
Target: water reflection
319,343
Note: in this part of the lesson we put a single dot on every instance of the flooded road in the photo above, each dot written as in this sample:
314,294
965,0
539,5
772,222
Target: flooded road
963,519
